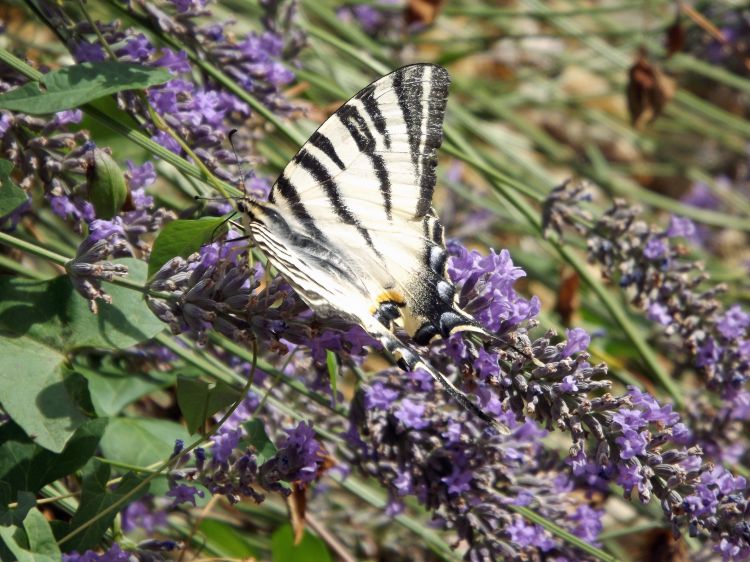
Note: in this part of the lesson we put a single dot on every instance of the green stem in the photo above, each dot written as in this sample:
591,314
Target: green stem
124,465
558,531
32,249
236,349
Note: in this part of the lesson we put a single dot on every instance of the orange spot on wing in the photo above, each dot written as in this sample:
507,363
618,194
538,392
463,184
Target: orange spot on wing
391,295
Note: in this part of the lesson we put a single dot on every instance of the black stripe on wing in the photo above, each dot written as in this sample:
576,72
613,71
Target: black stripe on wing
323,143
357,126
372,107
286,189
324,178
281,242
425,131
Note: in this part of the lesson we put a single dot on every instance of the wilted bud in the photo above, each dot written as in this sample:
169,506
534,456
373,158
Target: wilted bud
107,188
88,268
422,12
675,36
648,91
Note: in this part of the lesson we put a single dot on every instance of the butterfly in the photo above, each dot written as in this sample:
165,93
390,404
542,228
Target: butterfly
349,223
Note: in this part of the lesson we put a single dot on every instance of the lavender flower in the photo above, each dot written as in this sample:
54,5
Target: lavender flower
200,113
698,330
403,436
88,269
382,19
299,459
150,550
217,289
235,474
113,554
650,267
43,152
143,514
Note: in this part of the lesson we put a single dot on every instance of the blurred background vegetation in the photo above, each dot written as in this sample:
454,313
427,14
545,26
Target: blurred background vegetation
644,100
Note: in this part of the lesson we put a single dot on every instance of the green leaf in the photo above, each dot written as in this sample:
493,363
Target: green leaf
257,437
11,196
78,84
225,540
199,400
24,465
182,238
107,189
111,389
39,543
34,395
141,441
42,321
310,548
52,313
333,371
95,499
16,515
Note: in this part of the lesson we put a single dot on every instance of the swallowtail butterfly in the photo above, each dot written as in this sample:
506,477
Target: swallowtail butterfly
350,225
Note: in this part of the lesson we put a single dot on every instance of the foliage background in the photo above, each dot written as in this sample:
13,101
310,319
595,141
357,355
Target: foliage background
645,101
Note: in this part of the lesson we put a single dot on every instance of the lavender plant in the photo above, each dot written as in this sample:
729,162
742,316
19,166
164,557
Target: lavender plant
673,291
203,386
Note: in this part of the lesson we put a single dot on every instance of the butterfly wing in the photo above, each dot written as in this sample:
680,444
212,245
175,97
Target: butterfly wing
349,222
356,203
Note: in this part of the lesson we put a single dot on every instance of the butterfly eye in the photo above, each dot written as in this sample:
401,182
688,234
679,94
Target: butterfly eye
241,207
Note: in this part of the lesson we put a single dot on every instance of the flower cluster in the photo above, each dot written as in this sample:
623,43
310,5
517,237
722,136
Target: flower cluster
381,19
152,550
65,164
235,472
650,264
44,152
202,112
407,439
88,269
733,47
406,434
218,289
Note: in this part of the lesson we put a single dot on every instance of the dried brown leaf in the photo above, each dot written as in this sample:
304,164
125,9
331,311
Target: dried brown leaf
297,502
422,12
568,297
648,91
661,546
675,37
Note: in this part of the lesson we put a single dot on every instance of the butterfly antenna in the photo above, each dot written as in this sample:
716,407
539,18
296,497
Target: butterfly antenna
239,163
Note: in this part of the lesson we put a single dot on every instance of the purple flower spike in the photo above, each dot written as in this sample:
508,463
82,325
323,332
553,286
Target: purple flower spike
183,493
680,226
410,414
578,340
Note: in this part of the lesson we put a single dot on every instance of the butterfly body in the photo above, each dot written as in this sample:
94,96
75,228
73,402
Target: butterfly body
349,222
